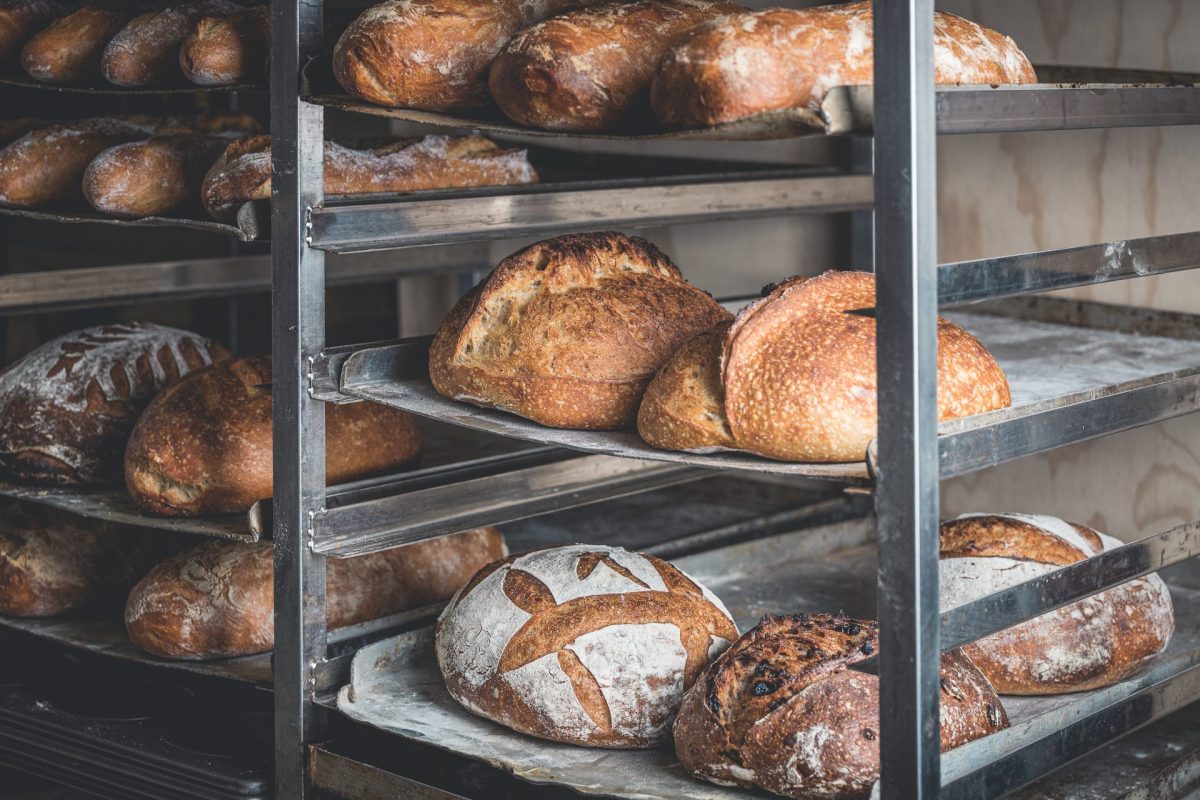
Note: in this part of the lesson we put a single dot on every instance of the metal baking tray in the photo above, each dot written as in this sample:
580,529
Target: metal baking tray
396,685
252,223
24,82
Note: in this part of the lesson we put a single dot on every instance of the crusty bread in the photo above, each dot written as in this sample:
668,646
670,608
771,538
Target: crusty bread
1096,642
569,331
432,54
20,19
66,408
684,405
146,51
782,58
217,600
154,177
243,172
781,711
798,376
69,50
583,644
590,70
229,49
204,444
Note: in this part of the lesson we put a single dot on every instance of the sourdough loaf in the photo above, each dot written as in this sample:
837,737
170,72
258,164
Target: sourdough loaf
798,380
590,70
782,711
20,19
243,172
69,50
66,408
146,51
582,644
228,49
569,331
781,58
1096,642
432,54
203,445
217,600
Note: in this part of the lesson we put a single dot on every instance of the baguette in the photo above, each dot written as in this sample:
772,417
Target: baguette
20,19
158,176
781,58
217,600
590,70
69,50
243,172
145,52
228,50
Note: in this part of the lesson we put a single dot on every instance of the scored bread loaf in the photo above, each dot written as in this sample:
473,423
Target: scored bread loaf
432,54
217,600
590,70
583,644
797,378
146,51
20,19
227,50
782,58
1096,642
69,50
66,408
781,710
569,331
203,445
243,172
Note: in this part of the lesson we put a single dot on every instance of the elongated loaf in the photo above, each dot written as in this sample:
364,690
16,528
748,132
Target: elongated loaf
243,172
69,50
782,711
217,600
21,19
569,331
797,377
590,70
1096,642
227,50
66,408
782,58
432,54
146,51
204,444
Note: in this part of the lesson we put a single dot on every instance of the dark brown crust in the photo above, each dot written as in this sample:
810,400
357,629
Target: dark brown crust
156,177
69,50
204,444
227,50
145,52
20,19
568,332
684,405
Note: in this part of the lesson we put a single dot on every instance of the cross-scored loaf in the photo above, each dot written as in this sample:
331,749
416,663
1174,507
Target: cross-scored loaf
1096,642
780,710
583,644
569,331
797,377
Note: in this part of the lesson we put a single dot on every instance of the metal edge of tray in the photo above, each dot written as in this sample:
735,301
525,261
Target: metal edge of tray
252,221
112,90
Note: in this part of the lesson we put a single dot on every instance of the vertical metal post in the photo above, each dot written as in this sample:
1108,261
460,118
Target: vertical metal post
907,490
298,332
862,223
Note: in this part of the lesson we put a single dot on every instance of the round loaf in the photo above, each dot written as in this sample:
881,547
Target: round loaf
157,176
1096,642
781,58
69,50
228,49
684,406
204,444
20,19
145,52
582,644
590,70
67,408
781,711
568,332
217,600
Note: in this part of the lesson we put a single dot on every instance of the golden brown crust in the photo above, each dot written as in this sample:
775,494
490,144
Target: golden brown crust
227,50
568,332
145,51
590,70
217,600
69,50
204,444
684,405
158,176
782,58
20,19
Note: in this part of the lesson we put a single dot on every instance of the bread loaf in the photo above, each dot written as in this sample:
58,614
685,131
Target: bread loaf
69,50
146,51
217,600
582,644
228,50
797,375
204,444
45,167
52,562
20,19
66,409
569,331
1096,642
781,58
13,129
432,54
590,70
158,176
243,172
781,711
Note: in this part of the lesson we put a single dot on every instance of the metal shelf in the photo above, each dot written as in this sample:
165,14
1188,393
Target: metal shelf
251,223
112,90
